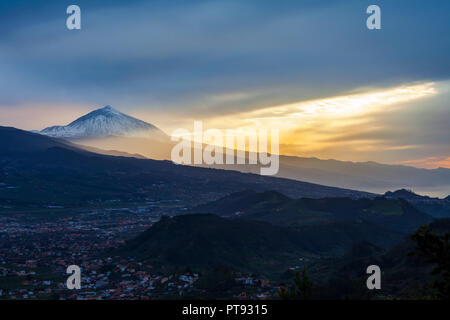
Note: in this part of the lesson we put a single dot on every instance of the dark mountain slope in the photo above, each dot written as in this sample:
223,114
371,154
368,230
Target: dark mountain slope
394,215
202,241
438,208
243,201
403,275
18,142
390,214
404,194
45,170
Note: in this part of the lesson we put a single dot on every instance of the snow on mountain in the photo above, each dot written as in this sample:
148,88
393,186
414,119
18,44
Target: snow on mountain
105,122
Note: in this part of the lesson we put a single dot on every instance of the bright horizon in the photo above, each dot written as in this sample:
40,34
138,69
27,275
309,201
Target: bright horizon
344,113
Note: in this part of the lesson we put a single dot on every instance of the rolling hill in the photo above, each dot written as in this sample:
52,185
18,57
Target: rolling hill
404,276
438,208
203,241
396,215
268,232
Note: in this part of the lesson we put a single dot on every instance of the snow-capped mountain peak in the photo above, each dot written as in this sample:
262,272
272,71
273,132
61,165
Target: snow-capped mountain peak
103,122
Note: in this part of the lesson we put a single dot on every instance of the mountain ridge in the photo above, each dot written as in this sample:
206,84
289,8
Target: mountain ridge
368,176
147,140
396,215
436,207
69,176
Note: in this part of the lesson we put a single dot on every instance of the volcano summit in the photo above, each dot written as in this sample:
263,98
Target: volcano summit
104,122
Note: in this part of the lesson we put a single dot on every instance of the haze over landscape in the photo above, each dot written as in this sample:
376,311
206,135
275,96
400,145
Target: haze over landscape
88,177
110,130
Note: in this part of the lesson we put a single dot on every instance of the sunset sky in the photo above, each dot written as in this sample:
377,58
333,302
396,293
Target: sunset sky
312,69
